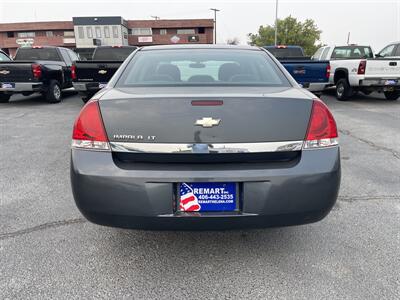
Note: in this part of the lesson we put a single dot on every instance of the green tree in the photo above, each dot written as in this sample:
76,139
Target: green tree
290,32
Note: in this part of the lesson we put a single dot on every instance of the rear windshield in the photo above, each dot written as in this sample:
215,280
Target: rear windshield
117,54
37,54
285,52
204,67
349,52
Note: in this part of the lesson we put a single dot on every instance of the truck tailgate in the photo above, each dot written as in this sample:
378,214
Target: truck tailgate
383,68
96,71
16,71
307,71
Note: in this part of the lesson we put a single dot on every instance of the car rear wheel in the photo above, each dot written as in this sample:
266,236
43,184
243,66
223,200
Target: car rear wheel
343,90
53,94
4,98
393,95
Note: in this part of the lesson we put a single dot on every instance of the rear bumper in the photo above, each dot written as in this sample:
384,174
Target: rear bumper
317,87
87,87
379,84
143,195
23,87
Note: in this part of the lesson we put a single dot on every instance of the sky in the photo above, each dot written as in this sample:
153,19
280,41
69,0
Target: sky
375,23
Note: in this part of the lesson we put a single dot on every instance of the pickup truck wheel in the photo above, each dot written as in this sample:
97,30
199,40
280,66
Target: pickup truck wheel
343,90
53,94
4,98
393,95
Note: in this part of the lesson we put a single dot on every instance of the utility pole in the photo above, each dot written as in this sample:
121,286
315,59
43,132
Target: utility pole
155,17
215,24
276,22
348,38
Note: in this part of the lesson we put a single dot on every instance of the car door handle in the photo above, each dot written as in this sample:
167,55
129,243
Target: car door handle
393,63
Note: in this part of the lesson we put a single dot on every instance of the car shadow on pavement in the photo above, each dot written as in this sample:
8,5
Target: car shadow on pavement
213,244
360,98
35,99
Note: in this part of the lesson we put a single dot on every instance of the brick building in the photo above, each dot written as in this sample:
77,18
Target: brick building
76,33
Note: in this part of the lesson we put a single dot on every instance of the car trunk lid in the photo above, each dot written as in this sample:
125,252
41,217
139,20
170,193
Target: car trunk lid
279,114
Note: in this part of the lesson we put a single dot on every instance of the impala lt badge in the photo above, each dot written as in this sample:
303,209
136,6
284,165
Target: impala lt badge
207,122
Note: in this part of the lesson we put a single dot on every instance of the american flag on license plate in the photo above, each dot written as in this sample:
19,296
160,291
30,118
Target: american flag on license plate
188,201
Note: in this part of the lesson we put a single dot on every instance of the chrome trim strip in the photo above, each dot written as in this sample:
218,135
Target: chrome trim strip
206,148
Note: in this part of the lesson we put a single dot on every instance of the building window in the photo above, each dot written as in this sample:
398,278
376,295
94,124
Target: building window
185,31
89,32
98,32
163,31
106,32
81,33
10,34
141,31
201,30
49,33
115,32
69,34
26,34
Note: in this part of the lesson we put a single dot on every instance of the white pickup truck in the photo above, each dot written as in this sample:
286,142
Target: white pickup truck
354,69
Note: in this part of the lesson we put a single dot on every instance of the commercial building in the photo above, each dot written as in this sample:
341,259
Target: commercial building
89,32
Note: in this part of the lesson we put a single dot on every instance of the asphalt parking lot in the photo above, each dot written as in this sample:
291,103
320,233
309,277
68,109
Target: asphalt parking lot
47,250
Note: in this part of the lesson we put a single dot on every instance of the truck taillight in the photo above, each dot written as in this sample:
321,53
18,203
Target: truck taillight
73,72
37,71
328,71
361,67
89,132
322,130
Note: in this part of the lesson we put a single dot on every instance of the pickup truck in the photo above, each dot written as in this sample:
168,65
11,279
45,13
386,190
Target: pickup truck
354,68
311,74
91,76
45,70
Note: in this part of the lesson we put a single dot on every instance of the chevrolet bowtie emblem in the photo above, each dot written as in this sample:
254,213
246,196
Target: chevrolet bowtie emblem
4,72
102,72
207,122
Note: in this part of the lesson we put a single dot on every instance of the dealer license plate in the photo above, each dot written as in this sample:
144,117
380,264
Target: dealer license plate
207,196
7,85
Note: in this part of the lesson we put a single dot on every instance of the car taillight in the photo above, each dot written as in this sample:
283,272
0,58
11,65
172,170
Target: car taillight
73,72
322,130
328,71
89,132
37,71
361,67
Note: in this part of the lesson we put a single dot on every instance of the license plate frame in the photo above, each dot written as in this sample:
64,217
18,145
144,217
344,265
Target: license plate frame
227,199
7,85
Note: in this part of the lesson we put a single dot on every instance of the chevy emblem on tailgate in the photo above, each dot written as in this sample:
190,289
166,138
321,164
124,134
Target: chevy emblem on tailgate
102,72
4,72
207,122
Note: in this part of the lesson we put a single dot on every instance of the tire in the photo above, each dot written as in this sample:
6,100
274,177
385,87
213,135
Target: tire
53,93
343,90
393,95
4,98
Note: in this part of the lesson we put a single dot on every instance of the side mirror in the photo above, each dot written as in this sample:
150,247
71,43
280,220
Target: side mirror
378,55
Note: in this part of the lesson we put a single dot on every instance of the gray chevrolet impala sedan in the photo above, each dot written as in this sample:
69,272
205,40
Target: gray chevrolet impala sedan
204,137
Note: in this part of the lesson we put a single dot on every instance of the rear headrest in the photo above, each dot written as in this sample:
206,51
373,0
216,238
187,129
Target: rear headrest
170,70
227,70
